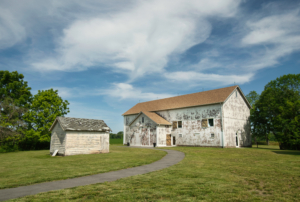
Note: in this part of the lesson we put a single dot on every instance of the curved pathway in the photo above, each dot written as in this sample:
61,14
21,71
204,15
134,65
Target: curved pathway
172,158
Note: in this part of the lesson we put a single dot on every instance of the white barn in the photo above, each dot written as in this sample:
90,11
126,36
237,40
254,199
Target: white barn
215,118
71,136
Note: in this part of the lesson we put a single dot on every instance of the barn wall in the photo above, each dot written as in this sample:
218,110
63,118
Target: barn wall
86,143
58,140
162,132
141,134
127,120
236,120
192,132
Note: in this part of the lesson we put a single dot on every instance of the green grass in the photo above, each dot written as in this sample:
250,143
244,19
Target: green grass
206,174
115,141
265,143
29,167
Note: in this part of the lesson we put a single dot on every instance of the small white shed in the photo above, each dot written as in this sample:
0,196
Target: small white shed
71,136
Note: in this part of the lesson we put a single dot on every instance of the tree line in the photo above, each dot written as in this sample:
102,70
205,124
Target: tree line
119,135
276,112
25,119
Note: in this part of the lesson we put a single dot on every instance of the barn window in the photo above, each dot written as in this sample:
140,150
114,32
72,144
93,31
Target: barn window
204,123
211,122
174,125
212,136
179,124
180,135
142,119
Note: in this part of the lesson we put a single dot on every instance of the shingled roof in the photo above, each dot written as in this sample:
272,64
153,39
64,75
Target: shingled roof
154,117
189,100
78,124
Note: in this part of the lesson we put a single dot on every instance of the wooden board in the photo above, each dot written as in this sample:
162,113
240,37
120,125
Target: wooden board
204,123
54,153
174,125
168,139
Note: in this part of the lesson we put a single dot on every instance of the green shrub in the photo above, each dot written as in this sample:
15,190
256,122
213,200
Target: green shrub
8,148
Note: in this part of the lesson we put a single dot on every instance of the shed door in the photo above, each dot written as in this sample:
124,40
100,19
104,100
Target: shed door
168,139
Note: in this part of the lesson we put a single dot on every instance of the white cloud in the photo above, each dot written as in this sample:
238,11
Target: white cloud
278,34
195,78
274,29
11,32
206,63
67,93
127,91
137,41
111,117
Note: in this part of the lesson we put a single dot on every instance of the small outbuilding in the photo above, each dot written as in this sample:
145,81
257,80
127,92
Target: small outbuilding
71,136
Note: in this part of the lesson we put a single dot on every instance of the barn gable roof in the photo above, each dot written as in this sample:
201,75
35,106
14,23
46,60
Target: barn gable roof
154,117
79,124
190,100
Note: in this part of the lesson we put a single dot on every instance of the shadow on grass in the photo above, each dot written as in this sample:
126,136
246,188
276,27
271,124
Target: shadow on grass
265,147
287,152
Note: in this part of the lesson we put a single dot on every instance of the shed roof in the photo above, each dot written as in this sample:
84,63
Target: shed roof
189,100
154,117
79,124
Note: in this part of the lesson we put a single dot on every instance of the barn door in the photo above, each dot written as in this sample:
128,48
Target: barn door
168,139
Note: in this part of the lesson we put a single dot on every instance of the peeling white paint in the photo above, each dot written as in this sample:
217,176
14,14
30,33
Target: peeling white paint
229,118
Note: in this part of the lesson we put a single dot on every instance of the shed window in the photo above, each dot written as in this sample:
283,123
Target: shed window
180,135
212,136
179,124
204,123
174,124
211,122
142,119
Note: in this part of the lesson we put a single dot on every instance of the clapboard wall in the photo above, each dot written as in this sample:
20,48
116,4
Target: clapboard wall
86,143
58,140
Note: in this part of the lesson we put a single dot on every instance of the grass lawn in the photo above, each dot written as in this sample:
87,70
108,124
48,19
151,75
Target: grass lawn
115,141
208,174
29,167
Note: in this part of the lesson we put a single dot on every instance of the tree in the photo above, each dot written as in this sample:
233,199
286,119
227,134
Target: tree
120,135
252,97
11,126
13,86
46,106
278,111
15,98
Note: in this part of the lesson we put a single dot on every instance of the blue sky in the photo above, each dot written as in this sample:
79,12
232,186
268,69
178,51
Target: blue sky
106,57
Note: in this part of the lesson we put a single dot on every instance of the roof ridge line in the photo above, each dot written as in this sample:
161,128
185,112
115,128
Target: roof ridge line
188,94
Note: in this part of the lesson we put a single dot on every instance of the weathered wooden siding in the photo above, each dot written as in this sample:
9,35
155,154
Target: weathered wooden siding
236,115
192,132
162,132
86,143
141,134
58,140
127,120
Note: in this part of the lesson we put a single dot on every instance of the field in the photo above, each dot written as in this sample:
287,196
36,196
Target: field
115,141
208,174
29,167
